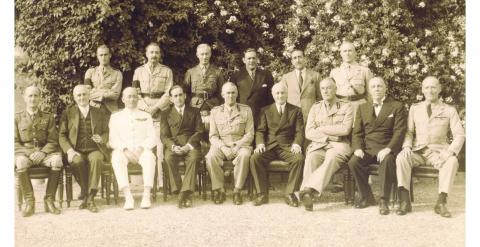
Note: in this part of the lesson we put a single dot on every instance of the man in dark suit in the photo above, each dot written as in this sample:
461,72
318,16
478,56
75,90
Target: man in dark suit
254,84
181,130
377,137
83,137
279,135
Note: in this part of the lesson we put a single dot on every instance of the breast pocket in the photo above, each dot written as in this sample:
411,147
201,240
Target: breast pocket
338,118
159,83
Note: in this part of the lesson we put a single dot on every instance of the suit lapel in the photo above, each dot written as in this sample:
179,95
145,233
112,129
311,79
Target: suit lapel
306,82
75,118
285,116
176,120
257,80
369,112
93,119
436,111
382,115
274,115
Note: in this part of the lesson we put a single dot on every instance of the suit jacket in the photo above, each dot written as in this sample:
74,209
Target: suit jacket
69,127
284,130
372,134
254,93
41,128
330,126
131,129
432,132
306,96
176,129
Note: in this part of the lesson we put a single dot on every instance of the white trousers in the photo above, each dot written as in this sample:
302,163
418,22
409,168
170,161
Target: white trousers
120,163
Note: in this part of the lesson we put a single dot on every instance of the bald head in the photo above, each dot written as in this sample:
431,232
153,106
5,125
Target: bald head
328,89
280,93
431,89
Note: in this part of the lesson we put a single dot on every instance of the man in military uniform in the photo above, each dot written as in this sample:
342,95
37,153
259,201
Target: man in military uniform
83,137
105,80
231,135
153,80
426,143
329,124
132,138
351,78
203,82
36,143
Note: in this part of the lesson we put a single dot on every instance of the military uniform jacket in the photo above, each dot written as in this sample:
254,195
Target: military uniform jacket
107,85
432,132
176,129
275,130
231,129
334,123
255,93
211,82
39,128
160,80
372,134
69,128
131,129
351,79
306,96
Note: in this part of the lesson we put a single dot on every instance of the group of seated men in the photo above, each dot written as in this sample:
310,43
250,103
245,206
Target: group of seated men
346,126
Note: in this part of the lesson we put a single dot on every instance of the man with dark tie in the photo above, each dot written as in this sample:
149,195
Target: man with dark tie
279,135
83,137
254,84
377,137
181,130
426,143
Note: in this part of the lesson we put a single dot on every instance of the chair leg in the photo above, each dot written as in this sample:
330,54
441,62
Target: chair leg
108,186
166,182
115,190
155,185
204,182
68,186
102,185
346,186
60,188
411,188
19,192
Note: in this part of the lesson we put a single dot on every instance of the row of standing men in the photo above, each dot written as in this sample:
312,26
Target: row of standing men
377,135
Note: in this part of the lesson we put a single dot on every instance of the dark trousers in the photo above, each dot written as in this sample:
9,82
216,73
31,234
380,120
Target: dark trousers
192,158
260,161
87,169
386,174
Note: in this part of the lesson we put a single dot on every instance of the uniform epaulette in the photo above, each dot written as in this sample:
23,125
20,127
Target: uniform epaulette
242,105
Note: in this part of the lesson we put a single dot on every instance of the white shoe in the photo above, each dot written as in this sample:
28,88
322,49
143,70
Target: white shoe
145,201
128,204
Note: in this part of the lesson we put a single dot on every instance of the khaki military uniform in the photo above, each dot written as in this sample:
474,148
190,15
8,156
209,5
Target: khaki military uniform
229,129
154,85
36,133
351,80
106,85
204,85
328,127
428,139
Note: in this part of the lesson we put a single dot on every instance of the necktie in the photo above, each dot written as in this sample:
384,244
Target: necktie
252,74
300,80
180,111
280,110
429,110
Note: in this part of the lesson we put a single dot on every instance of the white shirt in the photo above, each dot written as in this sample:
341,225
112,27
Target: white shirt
180,110
280,108
378,108
84,110
131,129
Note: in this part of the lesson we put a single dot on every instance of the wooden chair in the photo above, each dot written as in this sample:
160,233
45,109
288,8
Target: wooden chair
133,169
39,172
422,172
373,170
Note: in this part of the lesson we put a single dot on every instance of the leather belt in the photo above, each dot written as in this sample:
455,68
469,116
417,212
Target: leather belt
352,97
153,95
204,95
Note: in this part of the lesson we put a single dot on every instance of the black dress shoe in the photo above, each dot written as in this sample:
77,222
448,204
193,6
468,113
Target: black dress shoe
50,206
291,200
404,208
181,200
92,207
219,197
83,205
237,198
260,199
188,201
307,200
363,203
442,210
383,207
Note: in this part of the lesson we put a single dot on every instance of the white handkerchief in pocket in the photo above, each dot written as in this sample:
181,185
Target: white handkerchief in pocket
391,115
264,85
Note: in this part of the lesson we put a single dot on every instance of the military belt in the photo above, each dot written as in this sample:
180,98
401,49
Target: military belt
352,97
153,95
204,95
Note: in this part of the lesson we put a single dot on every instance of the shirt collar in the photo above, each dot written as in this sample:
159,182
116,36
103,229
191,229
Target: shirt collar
304,70
84,110
347,65
381,101
30,112
180,108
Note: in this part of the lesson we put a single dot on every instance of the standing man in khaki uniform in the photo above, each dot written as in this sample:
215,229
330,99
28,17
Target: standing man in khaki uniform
328,126
302,84
36,143
105,80
153,80
231,135
351,78
426,144
204,82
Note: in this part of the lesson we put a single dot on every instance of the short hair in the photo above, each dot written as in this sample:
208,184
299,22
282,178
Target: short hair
201,46
31,87
378,78
129,89
294,50
278,85
432,78
229,83
249,50
104,47
329,79
175,87
153,44
81,86
347,42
